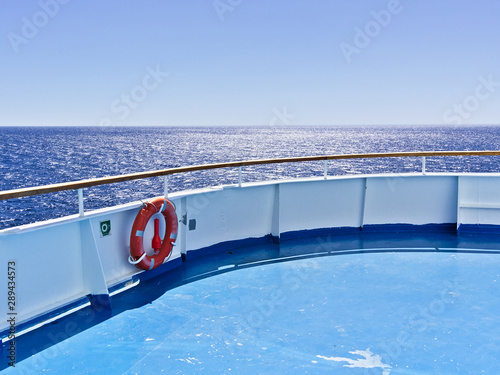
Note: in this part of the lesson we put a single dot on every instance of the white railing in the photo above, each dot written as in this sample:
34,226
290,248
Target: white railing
82,184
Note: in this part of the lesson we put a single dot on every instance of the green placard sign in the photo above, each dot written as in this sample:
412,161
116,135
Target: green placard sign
105,228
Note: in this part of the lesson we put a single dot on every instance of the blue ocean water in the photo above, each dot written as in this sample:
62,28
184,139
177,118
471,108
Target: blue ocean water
32,156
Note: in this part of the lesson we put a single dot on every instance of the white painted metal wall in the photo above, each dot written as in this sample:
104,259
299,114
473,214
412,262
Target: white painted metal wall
413,200
479,200
66,259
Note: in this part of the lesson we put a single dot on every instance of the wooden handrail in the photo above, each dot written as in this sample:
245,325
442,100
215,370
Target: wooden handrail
37,190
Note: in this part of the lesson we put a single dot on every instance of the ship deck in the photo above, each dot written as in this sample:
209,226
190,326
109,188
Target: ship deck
370,302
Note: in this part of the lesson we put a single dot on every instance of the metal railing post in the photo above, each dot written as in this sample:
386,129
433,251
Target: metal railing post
325,169
423,164
239,176
80,203
165,186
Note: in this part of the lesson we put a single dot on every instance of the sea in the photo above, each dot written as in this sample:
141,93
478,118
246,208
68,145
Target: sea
33,156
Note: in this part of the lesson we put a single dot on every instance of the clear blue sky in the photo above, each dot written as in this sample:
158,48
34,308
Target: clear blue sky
249,62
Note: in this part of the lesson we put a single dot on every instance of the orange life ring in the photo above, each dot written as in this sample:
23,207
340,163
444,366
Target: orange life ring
137,254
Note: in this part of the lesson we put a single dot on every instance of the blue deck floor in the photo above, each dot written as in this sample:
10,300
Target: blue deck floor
378,303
